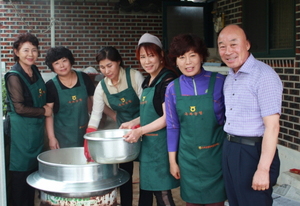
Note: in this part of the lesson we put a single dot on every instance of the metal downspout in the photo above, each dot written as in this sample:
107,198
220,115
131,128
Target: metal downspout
52,23
2,153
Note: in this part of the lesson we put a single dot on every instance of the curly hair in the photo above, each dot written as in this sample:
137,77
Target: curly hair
56,53
183,43
21,39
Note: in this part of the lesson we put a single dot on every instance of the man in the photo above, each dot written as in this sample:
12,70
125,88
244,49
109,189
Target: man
253,95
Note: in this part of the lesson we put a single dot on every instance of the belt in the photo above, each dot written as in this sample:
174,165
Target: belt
244,140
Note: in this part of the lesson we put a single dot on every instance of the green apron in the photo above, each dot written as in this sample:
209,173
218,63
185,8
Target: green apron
70,122
154,160
27,133
125,103
200,147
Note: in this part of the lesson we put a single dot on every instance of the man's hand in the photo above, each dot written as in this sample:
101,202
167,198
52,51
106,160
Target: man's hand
261,180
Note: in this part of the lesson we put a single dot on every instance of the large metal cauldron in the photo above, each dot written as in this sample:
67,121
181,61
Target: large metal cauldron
109,146
66,173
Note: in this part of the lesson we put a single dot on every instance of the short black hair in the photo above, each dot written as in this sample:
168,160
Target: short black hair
56,53
110,53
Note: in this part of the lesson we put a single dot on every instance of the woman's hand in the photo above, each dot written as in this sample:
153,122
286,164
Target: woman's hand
53,143
131,124
133,135
90,129
174,170
127,125
85,145
48,111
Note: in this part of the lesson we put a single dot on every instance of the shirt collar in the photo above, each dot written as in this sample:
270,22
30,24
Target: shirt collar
246,67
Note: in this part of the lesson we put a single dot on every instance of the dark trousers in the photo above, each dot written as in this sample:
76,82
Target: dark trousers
126,189
239,165
22,194
163,198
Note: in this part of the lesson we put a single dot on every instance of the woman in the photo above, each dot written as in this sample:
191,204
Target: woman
155,177
120,90
26,93
69,93
195,119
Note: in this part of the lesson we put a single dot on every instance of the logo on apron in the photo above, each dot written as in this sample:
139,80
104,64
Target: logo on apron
41,92
124,102
75,99
192,108
143,100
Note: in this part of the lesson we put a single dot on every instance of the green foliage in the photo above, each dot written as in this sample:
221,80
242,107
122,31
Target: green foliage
4,106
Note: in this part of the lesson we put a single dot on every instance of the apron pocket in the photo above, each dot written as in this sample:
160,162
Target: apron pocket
35,135
154,147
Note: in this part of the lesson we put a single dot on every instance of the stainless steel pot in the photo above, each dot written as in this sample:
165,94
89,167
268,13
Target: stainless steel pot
65,172
109,146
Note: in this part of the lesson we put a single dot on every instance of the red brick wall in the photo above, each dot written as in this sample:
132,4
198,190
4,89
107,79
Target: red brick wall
83,27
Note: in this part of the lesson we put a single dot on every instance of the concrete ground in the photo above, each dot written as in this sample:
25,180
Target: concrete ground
175,192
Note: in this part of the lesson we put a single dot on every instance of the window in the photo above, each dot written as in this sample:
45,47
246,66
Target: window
187,17
270,26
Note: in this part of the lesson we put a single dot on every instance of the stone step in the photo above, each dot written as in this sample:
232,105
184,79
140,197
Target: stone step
291,179
291,187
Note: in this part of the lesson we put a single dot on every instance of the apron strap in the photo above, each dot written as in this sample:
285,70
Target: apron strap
212,81
128,79
177,87
39,78
22,77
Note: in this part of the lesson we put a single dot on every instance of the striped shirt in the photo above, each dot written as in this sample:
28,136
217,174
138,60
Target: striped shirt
252,93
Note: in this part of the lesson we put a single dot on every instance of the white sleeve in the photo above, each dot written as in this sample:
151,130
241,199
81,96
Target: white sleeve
139,78
98,107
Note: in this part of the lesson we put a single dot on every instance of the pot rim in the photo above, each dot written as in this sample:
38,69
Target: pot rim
105,138
90,136
68,189
57,164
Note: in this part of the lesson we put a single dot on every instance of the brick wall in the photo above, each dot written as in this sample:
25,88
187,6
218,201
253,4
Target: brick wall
232,10
289,71
290,124
82,26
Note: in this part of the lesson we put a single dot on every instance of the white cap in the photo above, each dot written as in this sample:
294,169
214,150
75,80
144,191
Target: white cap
149,38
